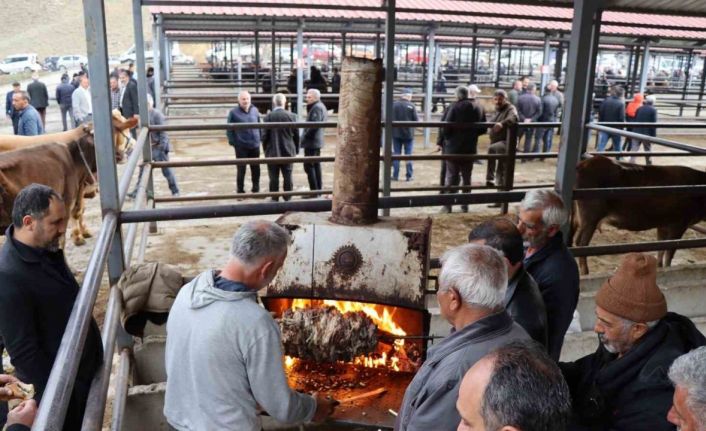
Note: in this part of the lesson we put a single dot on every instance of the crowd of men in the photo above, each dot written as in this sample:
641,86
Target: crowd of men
280,142
508,296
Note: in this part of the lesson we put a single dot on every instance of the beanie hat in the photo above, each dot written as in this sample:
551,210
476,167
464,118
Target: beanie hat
632,292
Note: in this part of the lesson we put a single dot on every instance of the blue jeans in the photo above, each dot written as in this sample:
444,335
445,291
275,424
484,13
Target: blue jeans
603,140
397,146
159,155
545,136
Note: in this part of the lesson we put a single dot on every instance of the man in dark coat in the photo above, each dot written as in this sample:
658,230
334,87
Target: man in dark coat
612,109
647,113
313,138
624,385
280,143
9,109
551,102
39,97
542,213
523,300
453,140
529,109
37,294
129,105
63,98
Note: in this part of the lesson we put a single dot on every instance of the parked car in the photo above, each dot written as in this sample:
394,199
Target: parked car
50,63
20,63
67,62
130,56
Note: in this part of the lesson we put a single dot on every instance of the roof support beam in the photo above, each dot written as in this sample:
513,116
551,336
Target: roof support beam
585,31
429,84
645,67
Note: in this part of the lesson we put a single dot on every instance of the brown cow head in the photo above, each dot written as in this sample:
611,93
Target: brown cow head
122,141
121,133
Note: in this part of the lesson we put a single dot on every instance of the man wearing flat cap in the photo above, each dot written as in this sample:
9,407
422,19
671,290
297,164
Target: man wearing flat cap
624,384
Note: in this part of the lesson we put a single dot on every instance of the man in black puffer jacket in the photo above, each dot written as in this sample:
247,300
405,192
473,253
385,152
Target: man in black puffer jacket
624,385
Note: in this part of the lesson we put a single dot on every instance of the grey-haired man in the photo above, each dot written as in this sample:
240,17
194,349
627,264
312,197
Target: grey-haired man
223,352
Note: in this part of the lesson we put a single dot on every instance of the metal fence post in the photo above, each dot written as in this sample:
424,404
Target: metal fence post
389,96
509,180
142,84
585,29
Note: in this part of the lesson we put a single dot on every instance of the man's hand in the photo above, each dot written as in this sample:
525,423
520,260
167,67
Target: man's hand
23,414
527,120
5,393
439,148
497,127
324,407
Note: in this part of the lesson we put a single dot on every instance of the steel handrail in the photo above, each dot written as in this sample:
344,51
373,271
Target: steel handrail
95,406
652,139
61,380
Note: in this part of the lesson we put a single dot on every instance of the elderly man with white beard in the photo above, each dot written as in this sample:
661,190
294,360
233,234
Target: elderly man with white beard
624,384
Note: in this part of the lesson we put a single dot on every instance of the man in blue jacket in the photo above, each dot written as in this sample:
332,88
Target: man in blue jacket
63,98
612,109
403,137
9,109
246,142
29,122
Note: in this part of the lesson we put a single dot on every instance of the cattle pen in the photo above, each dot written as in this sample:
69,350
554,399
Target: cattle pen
114,248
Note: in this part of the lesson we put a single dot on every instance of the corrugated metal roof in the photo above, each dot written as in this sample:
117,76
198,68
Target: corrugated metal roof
528,17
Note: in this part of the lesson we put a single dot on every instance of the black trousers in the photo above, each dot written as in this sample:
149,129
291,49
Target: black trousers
248,153
273,171
313,170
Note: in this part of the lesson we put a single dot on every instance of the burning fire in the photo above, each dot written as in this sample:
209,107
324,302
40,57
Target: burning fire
383,319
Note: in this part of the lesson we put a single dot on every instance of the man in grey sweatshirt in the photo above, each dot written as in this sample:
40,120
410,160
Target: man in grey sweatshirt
223,353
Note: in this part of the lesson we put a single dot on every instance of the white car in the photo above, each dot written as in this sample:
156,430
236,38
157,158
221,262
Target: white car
20,63
130,56
68,62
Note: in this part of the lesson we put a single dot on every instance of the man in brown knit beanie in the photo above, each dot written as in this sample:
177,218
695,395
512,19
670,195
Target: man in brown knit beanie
624,384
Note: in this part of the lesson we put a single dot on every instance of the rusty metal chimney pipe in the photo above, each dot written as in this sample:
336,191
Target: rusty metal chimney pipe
357,168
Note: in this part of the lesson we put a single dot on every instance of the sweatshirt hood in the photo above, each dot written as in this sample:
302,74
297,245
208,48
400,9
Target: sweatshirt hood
204,292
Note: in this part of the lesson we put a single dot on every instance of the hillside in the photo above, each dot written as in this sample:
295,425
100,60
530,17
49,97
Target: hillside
56,27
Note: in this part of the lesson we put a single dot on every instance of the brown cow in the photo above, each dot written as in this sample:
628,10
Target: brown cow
670,214
69,168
